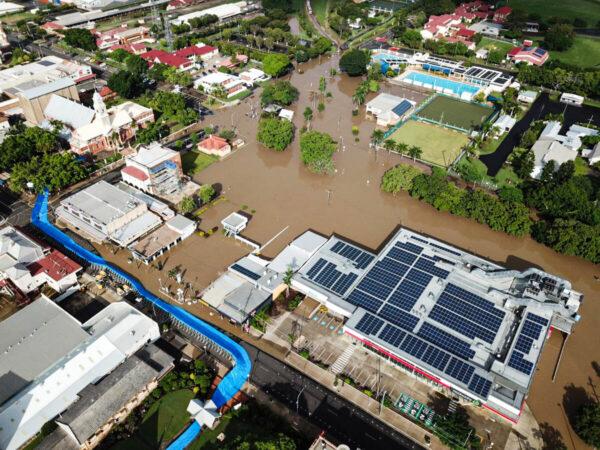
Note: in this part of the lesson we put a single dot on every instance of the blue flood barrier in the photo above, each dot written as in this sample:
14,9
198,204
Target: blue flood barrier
235,378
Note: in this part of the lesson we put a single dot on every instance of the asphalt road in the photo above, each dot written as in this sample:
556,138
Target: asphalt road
342,422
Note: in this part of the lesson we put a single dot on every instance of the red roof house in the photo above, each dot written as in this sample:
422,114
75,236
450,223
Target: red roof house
214,145
502,14
170,59
530,55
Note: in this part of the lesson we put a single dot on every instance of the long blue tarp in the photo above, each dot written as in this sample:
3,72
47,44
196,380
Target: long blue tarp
235,378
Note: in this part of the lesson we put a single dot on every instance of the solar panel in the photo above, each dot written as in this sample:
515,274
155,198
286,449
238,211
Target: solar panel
446,341
338,246
392,266
459,370
470,312
430,267
435,357
517,362
345,281
314,270
523,344
480,385
416,276
369,324
383,276
459,324
358,256
244,271
531,329
453,252
474,299
374,288
406,295
328,276
409,246
359,298
537,319
402,256
414,346
392,335
398,317
417,238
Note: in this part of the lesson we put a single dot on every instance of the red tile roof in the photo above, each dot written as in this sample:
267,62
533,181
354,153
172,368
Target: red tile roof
504,10
165,58
213,143
106,91
194,50
131,48
56,265
464,32
135,172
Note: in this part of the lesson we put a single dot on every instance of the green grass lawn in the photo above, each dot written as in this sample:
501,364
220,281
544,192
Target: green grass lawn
195,162
440,145
491,145
589,10
455,112
582,168
505,176
319,8
584,53
162,422
492,44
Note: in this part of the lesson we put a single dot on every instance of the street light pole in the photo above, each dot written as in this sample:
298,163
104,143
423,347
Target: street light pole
298,399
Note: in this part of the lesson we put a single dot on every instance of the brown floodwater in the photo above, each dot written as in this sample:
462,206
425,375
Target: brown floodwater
349,203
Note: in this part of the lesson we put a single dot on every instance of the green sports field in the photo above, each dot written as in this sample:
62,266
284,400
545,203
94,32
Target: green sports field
589,10
440,145
455,112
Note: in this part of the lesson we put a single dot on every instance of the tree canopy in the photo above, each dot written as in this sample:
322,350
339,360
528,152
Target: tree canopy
587,424
126,84
51,170
23,143
275,133
172,107
280,92
80,38
275,64
317,151
399,178
559,37
136,64
354,62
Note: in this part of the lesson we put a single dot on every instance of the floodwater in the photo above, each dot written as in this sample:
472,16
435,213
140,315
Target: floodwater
282,195
294,26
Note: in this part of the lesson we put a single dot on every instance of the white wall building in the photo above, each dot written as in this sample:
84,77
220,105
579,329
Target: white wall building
252,76
223,12
212,83
47,357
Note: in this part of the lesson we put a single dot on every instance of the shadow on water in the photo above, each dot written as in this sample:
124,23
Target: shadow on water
573,399
551,438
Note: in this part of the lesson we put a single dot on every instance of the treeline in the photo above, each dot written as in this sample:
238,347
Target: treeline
566,204
561,77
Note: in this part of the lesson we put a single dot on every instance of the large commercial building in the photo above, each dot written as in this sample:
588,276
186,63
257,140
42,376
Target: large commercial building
223,12
465,323
47,358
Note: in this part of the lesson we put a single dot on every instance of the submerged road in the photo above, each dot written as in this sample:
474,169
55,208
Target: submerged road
343,422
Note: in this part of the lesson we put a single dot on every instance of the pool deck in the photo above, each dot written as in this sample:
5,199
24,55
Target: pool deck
445,84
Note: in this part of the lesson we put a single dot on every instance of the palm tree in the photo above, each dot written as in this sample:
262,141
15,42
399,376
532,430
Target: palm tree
415,152
402,148
377,137
389,145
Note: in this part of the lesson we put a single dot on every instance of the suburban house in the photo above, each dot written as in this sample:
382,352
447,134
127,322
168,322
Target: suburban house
252,76
26,264
528,54
527,97
197,53
122,36
389,109
219,83
170,59
504,123
552,146
214,145
97,130
501,14
154,169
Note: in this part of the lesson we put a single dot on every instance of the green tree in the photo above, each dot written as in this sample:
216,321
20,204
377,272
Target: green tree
354,62
377,137
80,38
559,37
119,55
308,114
399,178
174,76
415,152
126,84
495,57
280,92
23,143
316,151
322,85
187,205
275,64
206,193
275,133
54,171
152,132
411,38
510,194
136,65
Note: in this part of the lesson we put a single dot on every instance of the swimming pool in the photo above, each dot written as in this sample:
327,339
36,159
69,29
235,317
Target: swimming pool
443,85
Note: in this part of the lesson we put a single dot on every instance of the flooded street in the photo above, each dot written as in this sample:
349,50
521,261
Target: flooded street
282,193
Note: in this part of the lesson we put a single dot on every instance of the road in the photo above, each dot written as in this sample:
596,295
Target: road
321,29
343,422
13,210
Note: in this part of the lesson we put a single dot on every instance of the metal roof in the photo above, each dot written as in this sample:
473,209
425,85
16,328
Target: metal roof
48,88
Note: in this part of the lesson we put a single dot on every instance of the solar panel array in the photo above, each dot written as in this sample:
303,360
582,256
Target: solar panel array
369,324
241,269
480,385
446,341
358,256
518,362
325,274
531,330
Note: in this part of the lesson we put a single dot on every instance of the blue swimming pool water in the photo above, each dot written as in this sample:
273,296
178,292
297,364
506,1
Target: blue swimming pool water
231,383
456,87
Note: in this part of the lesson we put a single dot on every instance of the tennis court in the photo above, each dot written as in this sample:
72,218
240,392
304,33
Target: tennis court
440,145
456,113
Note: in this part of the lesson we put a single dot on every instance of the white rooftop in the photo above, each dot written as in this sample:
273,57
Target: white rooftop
152,154
71,113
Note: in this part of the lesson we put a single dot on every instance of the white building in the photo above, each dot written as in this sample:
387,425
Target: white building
47,357
253,76
527,97
9,8
389,109
572,99
27,265
223,12
546,150
219,82
155,169
504,123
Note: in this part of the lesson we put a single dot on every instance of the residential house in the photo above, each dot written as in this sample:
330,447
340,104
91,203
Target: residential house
26,264
253,76
528,54
504,123
214,145
135,49
221,84
198,53
154,169
501,14
122,36
546,150
527,97
170,59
